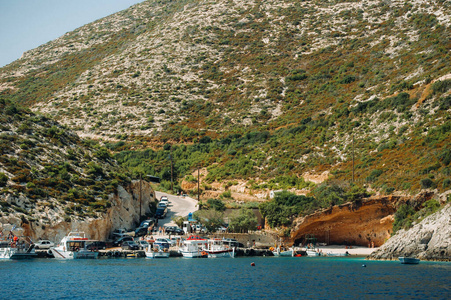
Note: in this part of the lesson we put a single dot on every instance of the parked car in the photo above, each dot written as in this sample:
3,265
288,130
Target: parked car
43,244
164,198
222,229
161,212
119,232
147,223
96,245
140,231
173,230
129,245
200,229
122,239
143,244
162,204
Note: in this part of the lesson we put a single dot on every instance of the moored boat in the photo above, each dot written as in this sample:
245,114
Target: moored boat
73,246
16,250
156,251
193,247
217,248
409,260
337,254
282,252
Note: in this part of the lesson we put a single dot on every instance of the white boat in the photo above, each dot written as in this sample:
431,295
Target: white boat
217,248
337,254
280,252
409,260
193,247
73,246
157,251
11,250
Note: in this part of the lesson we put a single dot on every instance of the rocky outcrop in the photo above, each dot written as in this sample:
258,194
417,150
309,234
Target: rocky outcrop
350,224
428,240
123,213
366,222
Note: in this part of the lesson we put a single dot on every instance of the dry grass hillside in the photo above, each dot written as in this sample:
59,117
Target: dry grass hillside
268,88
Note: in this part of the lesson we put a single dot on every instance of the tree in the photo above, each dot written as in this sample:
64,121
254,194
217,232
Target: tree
216,204
243,221
210,218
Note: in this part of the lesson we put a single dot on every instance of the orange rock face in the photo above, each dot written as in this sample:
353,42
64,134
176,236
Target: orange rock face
367,223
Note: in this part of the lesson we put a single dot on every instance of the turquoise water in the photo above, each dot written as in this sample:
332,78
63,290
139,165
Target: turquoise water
223,278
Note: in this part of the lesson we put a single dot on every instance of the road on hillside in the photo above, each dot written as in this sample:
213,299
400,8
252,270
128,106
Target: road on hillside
178,206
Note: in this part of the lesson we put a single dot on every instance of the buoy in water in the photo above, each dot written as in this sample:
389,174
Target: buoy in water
364,265
253,264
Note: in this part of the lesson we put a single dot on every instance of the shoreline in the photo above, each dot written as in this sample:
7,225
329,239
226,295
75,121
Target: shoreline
352,250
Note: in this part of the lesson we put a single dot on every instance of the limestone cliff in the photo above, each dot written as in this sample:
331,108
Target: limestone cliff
428,240
362,223
123,213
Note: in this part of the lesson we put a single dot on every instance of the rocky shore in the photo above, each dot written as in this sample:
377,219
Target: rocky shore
428,240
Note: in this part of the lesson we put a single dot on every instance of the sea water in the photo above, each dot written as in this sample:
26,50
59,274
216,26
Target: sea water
224,278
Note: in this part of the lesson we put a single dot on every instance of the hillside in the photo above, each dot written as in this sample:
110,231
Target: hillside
257,89
48,174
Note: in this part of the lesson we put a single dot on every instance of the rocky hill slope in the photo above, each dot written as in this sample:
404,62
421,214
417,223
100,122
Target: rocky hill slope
51,181
427,240
255,89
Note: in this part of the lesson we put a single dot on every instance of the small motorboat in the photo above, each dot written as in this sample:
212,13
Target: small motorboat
409,260
217,248
157,251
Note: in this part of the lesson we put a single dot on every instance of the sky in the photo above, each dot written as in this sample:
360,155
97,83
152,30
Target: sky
27,24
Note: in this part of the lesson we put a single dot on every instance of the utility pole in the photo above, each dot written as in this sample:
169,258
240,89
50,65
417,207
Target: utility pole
198,190
352,158
140,187
172,168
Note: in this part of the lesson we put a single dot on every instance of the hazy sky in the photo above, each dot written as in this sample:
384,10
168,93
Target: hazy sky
27,24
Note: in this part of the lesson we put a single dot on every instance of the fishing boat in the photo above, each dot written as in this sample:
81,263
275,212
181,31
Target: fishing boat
217,248
193,247
73,246
157,251
282,252
409,260
312,252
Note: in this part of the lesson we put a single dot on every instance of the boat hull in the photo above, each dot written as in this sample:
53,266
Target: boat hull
82,254
159,254
312,253
194,254
224,253
283,253
409,260
6,253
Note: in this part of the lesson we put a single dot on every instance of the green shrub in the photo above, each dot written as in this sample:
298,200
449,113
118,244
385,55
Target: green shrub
426,183
3,179
403,217
441,86
226,194
446,183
